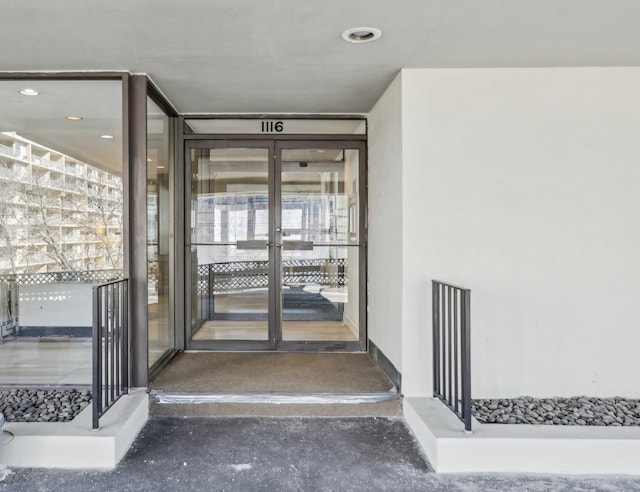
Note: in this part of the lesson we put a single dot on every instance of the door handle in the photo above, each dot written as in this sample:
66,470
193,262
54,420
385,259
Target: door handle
298,245
251,244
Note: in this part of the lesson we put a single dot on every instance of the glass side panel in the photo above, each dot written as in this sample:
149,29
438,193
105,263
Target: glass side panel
61,222
229,253
159,163
320,252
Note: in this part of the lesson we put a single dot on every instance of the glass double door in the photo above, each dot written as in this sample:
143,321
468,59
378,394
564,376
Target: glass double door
274,254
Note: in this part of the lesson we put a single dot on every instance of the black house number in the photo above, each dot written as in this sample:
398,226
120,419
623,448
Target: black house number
272,126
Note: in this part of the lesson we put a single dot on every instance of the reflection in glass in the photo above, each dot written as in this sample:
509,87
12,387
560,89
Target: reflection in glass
320,269
159,163
61,214
320,294
229,253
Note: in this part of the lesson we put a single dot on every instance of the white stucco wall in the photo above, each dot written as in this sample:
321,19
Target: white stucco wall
385,224
522,185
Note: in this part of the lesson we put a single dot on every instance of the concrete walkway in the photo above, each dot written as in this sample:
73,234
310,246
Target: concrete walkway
286,454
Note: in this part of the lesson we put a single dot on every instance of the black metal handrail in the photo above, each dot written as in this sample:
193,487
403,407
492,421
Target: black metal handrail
110,345
451,309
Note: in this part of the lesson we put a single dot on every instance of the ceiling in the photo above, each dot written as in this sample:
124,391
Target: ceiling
42,118
280,56
276,56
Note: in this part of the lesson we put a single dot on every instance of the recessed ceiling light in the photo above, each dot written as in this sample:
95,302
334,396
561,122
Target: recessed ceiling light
160,167
29,92
361,34
106,137
73,117
149,159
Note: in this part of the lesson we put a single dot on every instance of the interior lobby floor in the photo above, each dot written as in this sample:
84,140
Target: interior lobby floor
223,372
291,330
42,361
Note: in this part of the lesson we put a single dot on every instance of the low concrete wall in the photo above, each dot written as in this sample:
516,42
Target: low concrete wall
520,448
74,444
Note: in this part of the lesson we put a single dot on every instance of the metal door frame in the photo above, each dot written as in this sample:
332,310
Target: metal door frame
328,345
275,147
270,343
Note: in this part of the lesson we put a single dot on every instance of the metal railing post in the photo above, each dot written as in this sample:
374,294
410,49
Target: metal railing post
435,315
125,337
97,359
466,359
110,346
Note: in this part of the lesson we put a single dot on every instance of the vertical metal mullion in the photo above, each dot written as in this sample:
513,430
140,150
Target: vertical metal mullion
466,360
275,239
435,301
186,240
363,239
176,248
97,358
137,218
456,393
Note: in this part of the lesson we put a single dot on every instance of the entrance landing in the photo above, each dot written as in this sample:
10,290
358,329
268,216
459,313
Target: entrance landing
274,384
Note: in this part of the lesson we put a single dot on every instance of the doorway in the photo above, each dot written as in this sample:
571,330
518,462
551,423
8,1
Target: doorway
275,245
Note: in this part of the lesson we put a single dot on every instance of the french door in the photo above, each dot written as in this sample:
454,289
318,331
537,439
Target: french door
274,249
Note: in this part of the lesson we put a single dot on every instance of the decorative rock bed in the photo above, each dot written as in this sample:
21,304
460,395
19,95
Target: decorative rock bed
42,405
579,410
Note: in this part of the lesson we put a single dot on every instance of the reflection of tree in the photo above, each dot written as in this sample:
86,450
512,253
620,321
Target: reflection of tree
74,222
43,224
99,220
8,219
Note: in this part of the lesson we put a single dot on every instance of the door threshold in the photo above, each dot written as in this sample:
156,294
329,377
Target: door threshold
194,398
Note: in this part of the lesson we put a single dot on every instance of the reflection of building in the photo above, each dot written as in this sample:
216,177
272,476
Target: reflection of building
58,213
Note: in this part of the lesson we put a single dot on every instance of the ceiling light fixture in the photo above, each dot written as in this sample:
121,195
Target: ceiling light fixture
73,117
106,137
361,34
160,167
29,92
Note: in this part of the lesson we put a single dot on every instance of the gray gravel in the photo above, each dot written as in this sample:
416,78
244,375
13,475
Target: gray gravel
42,405
578,410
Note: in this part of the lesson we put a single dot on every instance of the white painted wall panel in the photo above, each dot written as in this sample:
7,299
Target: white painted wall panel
385,224
523,185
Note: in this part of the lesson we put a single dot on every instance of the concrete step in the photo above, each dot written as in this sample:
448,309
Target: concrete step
176,404
268,384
